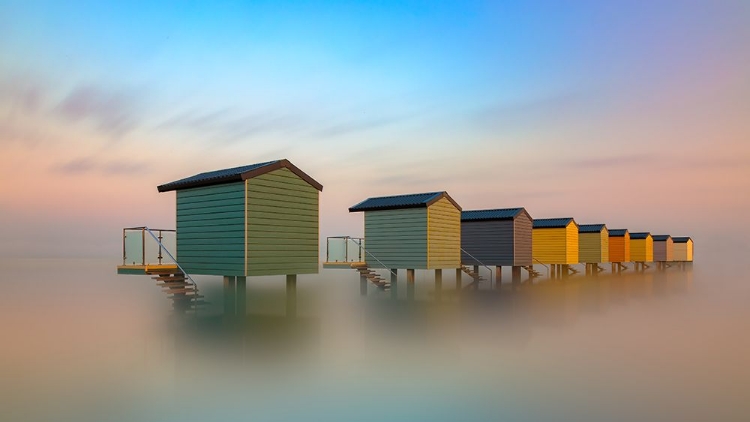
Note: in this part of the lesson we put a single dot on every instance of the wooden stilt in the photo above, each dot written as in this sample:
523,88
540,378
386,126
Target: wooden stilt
565,270
394,283
498,276
362,285
459,274
438,284
241,296
409,284
229,298
291,295
515,273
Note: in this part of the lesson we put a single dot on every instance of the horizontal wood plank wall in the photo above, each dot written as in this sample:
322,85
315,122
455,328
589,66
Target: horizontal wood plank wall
398,238
210,229
680,252
690,251
282,225
619,248
590,247
549,245
664,250
522,240
489,241
571,244
642,250
605,245
443,235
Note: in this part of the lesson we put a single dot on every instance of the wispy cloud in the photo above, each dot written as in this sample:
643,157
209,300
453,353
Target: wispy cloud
90,165
358,125
611,161
113,112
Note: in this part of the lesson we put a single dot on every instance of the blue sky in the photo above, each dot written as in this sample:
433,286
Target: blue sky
500,103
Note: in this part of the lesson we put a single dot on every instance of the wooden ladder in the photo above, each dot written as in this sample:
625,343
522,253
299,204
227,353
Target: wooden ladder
475,276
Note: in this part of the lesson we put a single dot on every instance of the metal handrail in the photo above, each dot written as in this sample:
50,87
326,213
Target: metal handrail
544,265
170,256
480,263
373,256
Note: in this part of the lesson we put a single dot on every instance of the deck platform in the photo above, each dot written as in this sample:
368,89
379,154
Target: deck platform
145,269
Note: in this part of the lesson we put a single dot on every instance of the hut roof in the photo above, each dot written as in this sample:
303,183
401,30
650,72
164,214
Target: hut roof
496,214
661,237
236,174
681,239
552,223
639,235
416,200
617,232
591,228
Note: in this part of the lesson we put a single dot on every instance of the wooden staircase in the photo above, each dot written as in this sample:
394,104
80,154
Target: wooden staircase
475,276
184,294
572,270
532,272
373,276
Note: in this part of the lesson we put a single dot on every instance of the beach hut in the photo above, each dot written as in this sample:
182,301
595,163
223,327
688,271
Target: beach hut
641,248
663,248
499,237
683,249
619,245
555,242
415,231
593,246
255,220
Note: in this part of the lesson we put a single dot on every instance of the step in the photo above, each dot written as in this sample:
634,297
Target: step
174,284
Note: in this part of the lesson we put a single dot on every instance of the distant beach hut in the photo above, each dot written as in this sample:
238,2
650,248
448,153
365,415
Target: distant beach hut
663,248
555,242
683,249
593,246
619,245
641,247
499,237
416,231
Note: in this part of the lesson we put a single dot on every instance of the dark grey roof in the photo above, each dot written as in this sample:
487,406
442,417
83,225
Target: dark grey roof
591,228
661,237
681,239
496,214
639,235
551,223
236,174
416,200
617,232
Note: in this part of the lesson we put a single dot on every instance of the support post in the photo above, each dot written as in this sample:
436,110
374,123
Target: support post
362,285
409,284
498,276
394,283
229,299
459,274
241,303
438,284
515,273
564,269
291,295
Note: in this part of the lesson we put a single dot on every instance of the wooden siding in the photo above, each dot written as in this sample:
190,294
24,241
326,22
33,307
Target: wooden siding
642,250
443,235
489,241
594,247
664,250
282,225
619,248
210,229
683,251
556,245
590,245
522,240
398,238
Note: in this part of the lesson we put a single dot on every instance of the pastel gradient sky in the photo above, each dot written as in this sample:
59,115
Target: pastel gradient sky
634,114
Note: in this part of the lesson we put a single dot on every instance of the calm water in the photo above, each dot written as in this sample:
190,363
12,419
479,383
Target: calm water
82,343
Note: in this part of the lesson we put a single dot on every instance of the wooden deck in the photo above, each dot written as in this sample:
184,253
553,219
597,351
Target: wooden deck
144,269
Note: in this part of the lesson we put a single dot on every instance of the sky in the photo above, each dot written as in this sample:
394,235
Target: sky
630,114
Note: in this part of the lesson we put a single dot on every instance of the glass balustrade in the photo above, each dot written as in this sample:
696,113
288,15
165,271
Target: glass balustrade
140,248
345,249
